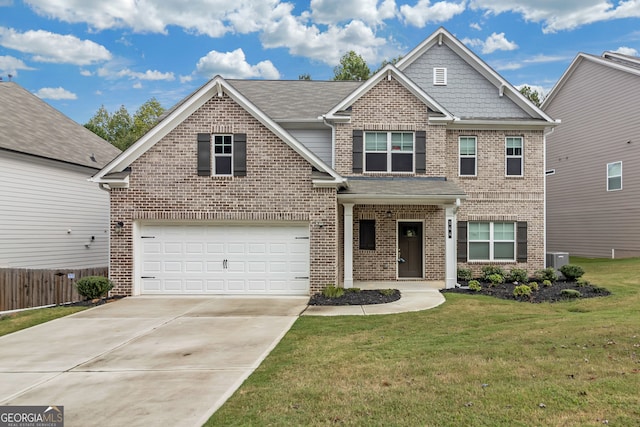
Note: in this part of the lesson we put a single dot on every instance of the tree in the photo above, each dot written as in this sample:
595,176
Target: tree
305,76
393,61
122,130
352,67
532,94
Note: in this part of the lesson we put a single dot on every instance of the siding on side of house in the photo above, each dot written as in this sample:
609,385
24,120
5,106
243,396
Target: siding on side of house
316,140
40,201
598,106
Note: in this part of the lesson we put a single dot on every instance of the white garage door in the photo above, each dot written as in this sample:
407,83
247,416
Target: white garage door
216,259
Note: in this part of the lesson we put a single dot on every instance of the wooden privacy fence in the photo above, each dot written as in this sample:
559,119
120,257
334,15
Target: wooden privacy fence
24,288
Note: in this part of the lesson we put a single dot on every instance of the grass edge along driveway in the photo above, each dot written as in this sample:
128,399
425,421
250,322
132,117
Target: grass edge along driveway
16,321
475,360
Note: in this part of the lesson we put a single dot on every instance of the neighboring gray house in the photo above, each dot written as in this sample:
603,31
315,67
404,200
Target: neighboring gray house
593,159
51,216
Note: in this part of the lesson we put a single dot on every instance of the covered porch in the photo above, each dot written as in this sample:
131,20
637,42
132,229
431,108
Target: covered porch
398,229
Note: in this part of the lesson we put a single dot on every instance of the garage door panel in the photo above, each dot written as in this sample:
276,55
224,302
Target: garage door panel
216,259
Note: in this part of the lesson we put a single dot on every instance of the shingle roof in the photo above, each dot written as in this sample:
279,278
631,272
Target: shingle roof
30,125
294,99
402,186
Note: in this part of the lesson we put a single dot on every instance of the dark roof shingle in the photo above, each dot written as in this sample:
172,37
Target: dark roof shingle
31,126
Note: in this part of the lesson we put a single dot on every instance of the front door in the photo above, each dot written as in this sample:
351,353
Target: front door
410,249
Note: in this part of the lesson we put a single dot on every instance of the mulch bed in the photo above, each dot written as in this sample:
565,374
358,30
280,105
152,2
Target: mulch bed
543,294
363,297
94,302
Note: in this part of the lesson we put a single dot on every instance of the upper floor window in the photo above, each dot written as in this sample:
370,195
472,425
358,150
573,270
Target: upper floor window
514,156
468,155
389,152
614,176
222,155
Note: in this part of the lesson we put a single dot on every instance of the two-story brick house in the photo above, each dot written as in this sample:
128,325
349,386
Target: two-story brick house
284,187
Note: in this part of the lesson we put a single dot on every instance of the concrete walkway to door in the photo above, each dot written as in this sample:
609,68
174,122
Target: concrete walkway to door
144,361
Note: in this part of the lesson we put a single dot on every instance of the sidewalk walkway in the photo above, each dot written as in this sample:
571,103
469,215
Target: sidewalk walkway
416,296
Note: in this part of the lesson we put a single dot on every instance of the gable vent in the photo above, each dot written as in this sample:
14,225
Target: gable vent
439,76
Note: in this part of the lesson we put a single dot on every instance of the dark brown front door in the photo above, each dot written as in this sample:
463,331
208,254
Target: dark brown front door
410,249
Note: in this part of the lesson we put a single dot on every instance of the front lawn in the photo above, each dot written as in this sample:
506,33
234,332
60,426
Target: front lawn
475,360
25,319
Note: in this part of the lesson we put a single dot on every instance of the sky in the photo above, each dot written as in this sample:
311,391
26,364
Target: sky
78,55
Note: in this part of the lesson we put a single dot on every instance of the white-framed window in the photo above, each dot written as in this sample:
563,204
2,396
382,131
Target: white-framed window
222,162
514,156
492,241
614,176
468,154
439,76
389,152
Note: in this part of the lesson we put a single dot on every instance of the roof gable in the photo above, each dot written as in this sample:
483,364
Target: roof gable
215,87
474,90
31,126
388,72
624,63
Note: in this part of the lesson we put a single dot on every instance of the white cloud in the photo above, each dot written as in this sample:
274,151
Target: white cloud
6,3
11,65
86,73
137,85
55,93
537,59
492,43
211,17
370,11
475,26
328,46
424,12
50,47
627,51
562,15
186,79
111,74
234,65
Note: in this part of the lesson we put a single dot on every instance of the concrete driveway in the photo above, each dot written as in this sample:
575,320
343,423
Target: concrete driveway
144,361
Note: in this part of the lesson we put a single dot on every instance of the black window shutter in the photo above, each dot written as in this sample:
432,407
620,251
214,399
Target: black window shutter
522,241
204,154
462,241
357,151
240,154
421,150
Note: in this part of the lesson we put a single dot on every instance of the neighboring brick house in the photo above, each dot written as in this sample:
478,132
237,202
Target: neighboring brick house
284,187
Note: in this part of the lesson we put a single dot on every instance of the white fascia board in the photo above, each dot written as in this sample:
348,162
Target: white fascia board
376,199
502,124
329,183
388,71
213,88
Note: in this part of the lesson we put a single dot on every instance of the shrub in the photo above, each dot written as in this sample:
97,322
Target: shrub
518,275
547,283
387,292
92,287
352,290
332,291
495,279
534,286
548,273
464,274
474,285
522,291
488,270
572,271
581,282
570,293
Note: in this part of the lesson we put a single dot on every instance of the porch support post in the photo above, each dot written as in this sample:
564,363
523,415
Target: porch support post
348,245
450,227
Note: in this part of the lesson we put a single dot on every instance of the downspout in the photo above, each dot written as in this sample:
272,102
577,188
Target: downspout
544,193
333,141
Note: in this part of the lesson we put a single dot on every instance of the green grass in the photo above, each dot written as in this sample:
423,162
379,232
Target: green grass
25,319
474,361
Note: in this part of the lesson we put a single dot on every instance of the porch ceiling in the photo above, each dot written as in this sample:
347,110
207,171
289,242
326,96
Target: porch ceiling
400,191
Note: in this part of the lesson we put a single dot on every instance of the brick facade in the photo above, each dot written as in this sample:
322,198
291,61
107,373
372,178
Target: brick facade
164,185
